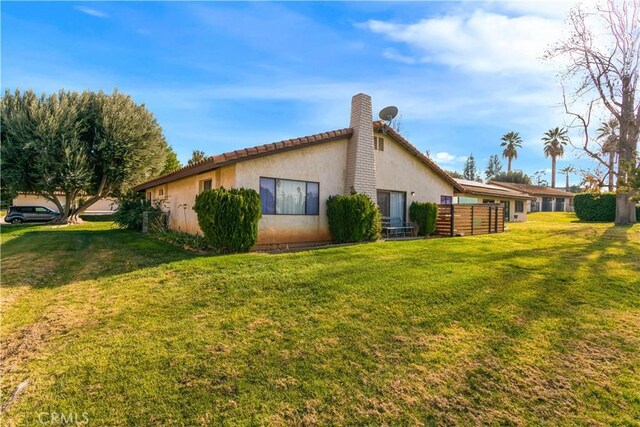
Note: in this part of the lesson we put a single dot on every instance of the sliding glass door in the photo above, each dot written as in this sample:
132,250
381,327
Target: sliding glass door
392,204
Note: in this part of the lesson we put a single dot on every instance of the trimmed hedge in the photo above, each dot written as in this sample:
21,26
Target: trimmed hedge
597,207
353,218
229,218
424,215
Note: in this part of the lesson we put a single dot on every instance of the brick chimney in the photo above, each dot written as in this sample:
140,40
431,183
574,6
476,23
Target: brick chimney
361,164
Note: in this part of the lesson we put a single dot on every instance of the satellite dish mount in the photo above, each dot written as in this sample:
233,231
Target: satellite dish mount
387,114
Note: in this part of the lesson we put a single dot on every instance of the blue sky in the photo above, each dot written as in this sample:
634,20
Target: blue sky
222,76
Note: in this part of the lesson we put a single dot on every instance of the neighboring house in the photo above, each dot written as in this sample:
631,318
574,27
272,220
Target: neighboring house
104,206
295,177
547,199
476,192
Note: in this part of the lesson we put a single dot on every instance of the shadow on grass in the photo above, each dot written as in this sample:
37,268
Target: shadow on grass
54,257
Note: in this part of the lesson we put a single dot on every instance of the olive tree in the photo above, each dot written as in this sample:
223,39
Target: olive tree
74,148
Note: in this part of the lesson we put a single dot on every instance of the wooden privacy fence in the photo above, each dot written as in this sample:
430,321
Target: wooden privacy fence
468,220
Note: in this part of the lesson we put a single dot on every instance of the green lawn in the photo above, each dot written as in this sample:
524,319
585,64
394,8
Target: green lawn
538,325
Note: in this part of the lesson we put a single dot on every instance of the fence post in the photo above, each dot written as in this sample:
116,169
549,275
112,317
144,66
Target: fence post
472,220
145,222
495,226
489,219
451,226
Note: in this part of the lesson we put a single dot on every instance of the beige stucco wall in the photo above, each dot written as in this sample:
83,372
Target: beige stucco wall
101,207
179,196
324,163
513,215
396,170
399,170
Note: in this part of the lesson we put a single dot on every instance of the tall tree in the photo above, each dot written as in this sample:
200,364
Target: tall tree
455,174
539,178
607,135
494,167
554,141
85,146
196,157
603,53
511,141
567,170
470,171
172,163
514,176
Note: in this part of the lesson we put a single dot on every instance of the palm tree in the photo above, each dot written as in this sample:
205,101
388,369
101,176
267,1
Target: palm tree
554,142
511,142
566,171
608,134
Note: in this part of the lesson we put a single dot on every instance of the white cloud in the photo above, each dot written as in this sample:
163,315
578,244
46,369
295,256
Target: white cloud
478,42
92,12
396,56
447,158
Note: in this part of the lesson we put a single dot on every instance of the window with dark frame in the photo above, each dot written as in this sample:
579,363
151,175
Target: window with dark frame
519,206
205,185
289,197
446,200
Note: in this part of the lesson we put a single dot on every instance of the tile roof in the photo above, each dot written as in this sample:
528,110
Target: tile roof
482,189
231,157
534,190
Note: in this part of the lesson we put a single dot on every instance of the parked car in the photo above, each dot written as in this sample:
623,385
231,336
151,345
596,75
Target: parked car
20,214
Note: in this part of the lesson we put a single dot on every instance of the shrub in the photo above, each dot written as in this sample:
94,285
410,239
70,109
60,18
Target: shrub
131,205
187,241
353,218
229,218
595,207
424,215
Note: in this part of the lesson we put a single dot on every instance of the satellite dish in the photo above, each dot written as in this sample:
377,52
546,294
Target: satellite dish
388,113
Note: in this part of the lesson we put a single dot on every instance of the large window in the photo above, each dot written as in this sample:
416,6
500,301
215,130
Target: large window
519,206
288,197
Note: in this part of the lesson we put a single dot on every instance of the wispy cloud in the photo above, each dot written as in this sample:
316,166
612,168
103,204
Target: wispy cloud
478,42
92,12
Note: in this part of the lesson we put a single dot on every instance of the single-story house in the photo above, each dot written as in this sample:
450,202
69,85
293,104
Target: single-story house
104,206
547,199
477,192
296,176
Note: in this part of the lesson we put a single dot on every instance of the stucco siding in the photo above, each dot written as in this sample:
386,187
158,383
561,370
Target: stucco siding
178,197
399,170
324,163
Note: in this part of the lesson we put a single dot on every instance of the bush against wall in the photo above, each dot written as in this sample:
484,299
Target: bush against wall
353,218
229,218
131,206
424,215
595,207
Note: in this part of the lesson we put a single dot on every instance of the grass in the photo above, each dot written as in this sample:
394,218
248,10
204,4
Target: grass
538,325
